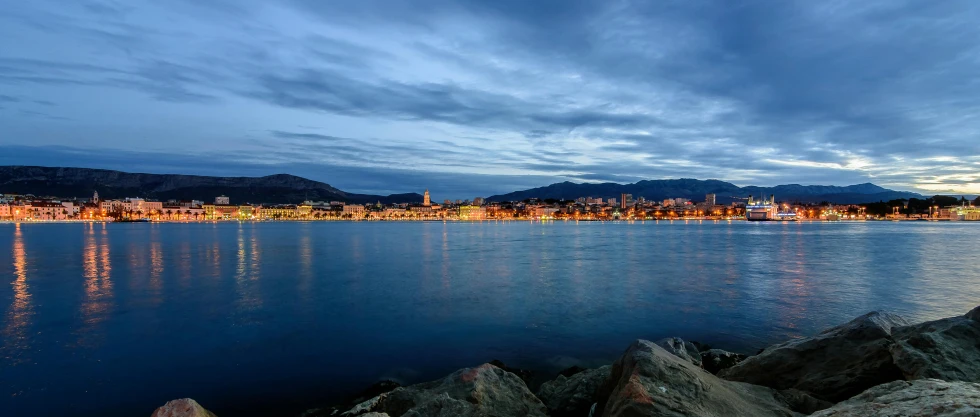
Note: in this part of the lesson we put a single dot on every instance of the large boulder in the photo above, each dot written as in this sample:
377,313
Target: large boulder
649,381
485,390
974,314
684,350
714,360
926,398
834,365
947,349
573,396
184,407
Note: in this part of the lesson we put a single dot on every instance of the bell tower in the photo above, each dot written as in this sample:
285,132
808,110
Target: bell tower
425,199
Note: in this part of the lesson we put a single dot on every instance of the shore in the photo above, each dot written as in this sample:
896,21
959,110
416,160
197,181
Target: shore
877,364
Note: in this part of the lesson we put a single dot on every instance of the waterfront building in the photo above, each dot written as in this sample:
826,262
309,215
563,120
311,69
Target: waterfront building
543,212
470,212
761,210
46,210
5,213
354,210
623,200
964,213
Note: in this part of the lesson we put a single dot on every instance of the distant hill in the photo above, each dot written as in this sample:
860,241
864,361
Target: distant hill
272,189
696,189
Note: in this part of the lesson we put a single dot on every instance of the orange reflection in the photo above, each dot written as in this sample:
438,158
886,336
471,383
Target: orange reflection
98,283
21,310
156,270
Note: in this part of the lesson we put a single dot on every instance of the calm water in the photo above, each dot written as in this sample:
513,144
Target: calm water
113,320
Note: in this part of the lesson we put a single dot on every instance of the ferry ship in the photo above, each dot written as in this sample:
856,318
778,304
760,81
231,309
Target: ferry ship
761,210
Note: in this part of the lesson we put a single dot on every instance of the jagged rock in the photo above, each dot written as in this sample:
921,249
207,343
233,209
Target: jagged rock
947,349
482,391
524,374
572,370
974,314
714,360
572,396
184,407
834,365
802,402
649,381
684,350
925,397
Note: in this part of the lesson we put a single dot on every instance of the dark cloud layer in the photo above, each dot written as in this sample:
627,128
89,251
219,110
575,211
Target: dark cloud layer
477,96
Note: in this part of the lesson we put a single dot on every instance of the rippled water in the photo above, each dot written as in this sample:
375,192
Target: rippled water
266,319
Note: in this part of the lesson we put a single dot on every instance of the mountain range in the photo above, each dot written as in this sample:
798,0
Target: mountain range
284,188
696,190
272,189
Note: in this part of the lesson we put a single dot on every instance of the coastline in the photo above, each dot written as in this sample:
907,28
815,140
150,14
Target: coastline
857,368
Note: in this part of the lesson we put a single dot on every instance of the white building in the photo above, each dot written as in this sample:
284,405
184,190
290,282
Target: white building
355,210
222,200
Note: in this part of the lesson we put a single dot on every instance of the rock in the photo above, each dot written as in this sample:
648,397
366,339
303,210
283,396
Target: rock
802,402
714,360
834,365
925,397
482,391
184,407
702,347
573,396
568,372
947,349
649,381
524,374
974,314
683,350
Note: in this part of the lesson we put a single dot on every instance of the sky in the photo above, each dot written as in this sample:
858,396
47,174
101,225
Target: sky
474,98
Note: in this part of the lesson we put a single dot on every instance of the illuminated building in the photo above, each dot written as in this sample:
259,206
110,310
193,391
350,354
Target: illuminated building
965,213
354,210
426,200
222,200
710,200
761,210
472,213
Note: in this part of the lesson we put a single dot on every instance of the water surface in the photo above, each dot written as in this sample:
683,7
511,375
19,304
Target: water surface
270,318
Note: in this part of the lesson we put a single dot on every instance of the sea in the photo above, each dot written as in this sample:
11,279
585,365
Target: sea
272,318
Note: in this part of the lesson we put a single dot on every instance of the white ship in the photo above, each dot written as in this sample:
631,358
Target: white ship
761,210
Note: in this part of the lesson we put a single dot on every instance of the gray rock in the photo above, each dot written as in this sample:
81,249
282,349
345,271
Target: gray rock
714,360
926,397
683,350
649,381
184,407
802,402
472,392
974,314
572,396
834,365
947,349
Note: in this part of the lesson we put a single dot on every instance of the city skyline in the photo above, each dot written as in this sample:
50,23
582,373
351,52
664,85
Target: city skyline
480,98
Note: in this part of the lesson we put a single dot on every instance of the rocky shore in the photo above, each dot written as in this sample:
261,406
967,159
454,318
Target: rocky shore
875,365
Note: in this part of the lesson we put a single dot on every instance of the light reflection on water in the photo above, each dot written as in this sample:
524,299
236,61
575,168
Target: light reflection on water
127,311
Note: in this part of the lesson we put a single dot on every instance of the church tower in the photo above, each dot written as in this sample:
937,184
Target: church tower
425,199
95,198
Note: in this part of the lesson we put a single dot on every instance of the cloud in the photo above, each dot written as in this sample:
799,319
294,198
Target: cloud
755,92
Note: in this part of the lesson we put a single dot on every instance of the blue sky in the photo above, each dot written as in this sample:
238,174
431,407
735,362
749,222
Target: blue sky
473,98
